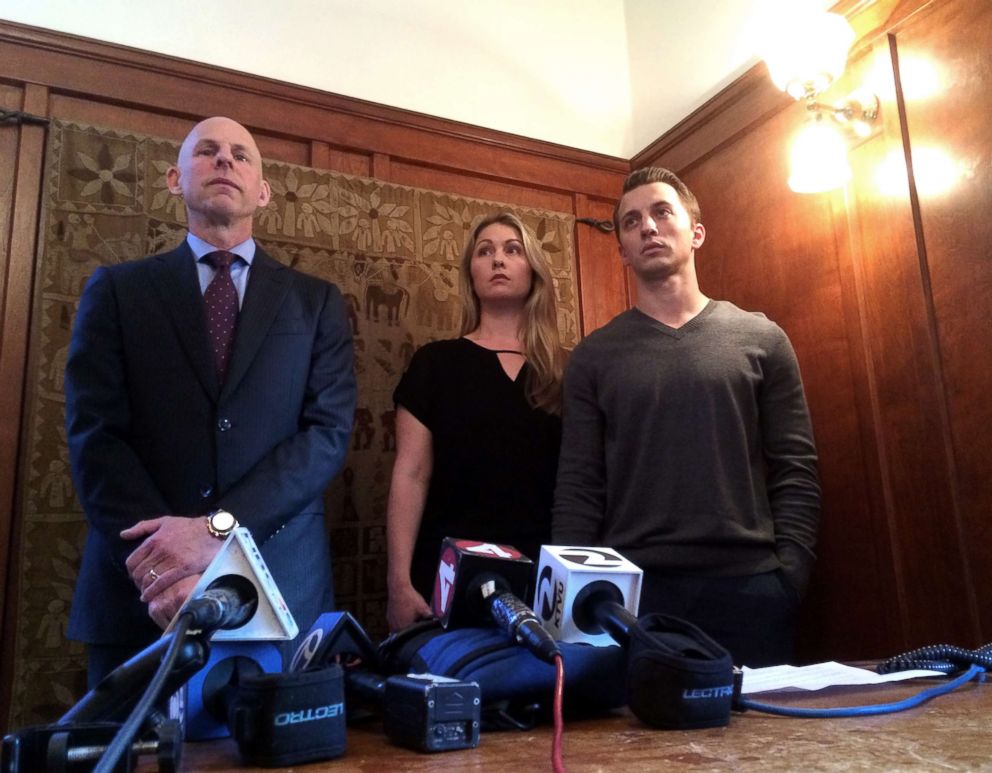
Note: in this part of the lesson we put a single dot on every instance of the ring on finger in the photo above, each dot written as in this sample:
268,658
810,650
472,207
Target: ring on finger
153,574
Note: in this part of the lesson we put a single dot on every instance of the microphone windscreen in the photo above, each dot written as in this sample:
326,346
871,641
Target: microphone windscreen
678,678
239,596
571,579
333,636
197,703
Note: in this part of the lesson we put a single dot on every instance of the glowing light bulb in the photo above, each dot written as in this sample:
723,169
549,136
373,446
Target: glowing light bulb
818,160
806,52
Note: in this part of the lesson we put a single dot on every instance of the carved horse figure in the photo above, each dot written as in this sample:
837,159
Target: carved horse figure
392,298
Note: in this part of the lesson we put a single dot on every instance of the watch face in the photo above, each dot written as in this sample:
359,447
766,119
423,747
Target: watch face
222,521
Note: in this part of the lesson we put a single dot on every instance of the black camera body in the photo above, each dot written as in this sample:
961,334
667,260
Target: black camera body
425,712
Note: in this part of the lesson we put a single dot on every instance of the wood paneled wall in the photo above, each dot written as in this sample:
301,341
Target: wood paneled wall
887,297
885,292
53,75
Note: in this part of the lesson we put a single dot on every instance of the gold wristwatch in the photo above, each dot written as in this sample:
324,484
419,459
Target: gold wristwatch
221,523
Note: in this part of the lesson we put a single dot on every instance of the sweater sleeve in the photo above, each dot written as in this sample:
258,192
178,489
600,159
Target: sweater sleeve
790,457
580,493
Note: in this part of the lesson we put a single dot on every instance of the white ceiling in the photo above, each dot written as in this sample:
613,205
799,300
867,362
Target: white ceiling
609,76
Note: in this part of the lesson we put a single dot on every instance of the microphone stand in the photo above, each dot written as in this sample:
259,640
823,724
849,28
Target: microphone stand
96,723
114,697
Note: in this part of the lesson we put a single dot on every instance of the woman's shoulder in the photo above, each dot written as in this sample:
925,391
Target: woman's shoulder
442,351
445,347
429,369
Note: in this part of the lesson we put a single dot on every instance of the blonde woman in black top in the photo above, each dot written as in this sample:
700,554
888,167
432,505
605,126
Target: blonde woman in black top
478,419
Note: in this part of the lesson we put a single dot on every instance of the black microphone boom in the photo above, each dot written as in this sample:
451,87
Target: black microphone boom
114,697
599,607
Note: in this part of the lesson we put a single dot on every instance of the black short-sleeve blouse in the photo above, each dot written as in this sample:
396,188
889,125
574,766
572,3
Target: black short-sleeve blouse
495,456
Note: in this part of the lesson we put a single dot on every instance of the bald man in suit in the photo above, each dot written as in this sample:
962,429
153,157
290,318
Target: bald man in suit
203,381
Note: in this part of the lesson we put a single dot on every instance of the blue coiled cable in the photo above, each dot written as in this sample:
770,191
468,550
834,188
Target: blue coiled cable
945,658
864,711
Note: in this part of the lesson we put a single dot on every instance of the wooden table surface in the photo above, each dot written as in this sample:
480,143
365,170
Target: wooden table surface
952,732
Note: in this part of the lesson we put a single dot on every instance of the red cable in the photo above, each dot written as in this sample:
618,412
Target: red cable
556,761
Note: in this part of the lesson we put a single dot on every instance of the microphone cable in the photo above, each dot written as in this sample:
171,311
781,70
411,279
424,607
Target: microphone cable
519,622
864,711
122,741
945,658
557,765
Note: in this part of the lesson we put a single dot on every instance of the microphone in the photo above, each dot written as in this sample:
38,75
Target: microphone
333,637
587,594
481,582
223,601
202,704
239,608
228,602
520,622
677,677
275,717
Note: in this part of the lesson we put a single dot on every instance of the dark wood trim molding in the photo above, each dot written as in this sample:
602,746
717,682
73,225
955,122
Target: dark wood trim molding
42,56
749,100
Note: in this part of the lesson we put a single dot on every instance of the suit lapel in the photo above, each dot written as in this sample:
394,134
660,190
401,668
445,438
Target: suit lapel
268,284
178,285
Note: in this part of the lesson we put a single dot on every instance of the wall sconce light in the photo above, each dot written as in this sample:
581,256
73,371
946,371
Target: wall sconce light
858,112
807,51
805,54
818,158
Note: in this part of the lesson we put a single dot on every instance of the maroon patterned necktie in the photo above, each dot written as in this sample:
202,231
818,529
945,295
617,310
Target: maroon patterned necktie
221,301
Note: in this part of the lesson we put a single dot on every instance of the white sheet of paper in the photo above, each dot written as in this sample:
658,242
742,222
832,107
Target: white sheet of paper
818,676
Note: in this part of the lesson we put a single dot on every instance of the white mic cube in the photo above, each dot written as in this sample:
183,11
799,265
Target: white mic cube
565,575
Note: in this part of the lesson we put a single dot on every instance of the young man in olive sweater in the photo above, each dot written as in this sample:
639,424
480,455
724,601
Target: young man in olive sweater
687,443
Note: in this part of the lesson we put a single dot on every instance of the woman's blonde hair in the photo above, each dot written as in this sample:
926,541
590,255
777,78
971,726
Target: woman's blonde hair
542,344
